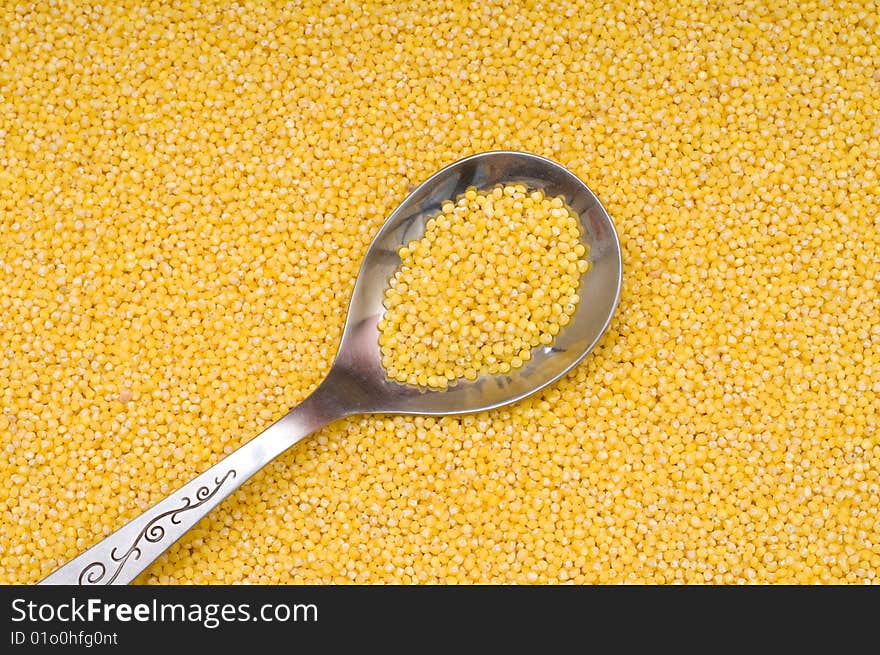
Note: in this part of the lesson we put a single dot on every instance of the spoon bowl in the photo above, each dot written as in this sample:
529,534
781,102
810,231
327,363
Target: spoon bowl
358,362
357,384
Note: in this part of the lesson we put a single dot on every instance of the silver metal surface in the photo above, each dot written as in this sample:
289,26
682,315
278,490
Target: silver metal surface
356,383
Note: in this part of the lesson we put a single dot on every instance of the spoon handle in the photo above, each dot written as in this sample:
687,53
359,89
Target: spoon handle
120,557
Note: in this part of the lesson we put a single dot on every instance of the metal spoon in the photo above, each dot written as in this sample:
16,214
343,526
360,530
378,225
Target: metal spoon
357,384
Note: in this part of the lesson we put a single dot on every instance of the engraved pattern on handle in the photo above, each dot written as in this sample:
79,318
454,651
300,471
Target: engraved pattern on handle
153,532
121,556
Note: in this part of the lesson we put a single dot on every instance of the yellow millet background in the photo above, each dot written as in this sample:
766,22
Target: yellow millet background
185,197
